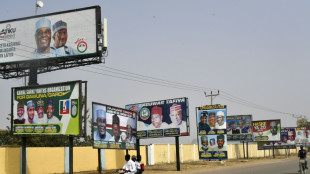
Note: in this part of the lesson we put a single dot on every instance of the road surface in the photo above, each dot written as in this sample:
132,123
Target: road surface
285,166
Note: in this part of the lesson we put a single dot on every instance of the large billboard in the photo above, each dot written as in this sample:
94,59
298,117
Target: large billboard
211,126
67,34
51,109
239,127
162,118
302,136
267,130
288,135
113,127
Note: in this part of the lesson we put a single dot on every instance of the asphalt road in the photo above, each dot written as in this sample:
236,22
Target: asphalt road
286,166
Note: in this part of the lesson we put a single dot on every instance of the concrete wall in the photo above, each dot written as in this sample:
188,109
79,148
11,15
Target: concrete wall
56,159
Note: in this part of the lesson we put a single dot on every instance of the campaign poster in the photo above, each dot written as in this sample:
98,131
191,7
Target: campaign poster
288,136
212,137
267,130
163,118
51,36
302,136
51,109
113,127
239,128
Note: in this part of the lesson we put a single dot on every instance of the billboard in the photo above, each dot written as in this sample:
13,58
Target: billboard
239,127
302,136
113,127
51,109
288,135
211,126
54,36
266,130
162,118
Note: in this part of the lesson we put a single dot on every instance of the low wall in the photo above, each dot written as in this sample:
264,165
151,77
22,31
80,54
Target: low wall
42,160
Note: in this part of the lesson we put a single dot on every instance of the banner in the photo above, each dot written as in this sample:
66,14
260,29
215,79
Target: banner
239,128
302,136
57,35
113,127
266,130
162,118
287,140
47,109
212,138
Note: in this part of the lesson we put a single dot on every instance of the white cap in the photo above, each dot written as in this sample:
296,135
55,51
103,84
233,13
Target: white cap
220,113
130,122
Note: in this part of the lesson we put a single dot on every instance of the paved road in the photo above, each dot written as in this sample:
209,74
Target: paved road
286,166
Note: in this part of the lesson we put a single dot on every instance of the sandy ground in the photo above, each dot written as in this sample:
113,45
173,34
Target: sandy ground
195,166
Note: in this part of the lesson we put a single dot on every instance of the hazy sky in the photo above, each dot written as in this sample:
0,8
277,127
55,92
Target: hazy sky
255,50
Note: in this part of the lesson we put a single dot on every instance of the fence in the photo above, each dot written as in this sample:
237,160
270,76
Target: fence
56,159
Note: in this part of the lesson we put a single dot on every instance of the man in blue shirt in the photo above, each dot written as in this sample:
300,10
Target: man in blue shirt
204,128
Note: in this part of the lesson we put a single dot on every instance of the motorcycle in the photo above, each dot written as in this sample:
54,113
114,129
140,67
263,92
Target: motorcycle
302,166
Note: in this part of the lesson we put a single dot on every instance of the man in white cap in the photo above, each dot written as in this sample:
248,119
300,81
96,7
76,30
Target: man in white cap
30,112
101,133
60,37
40,111
43,39
274,135
176,118
220,122
129,131
291,137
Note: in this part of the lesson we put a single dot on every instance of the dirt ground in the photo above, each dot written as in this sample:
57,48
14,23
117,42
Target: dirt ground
194,166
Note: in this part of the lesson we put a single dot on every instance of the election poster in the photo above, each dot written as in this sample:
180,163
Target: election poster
267,130
302,136
288,135
212,137
163,118
67,34
51,109
113,127
239,128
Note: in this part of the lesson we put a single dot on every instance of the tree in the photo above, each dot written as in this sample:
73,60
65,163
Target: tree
303,122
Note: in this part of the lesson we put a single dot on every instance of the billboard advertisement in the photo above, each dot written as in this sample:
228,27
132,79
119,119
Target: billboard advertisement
302,136
162,118
212,137
239,128
113,127
267,130
51,109
288,135
71,33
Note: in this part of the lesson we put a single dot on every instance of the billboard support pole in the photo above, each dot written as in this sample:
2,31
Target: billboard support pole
243,150
273,149
24,140
71,154
33,77
177,148
99,161
138,146
247,150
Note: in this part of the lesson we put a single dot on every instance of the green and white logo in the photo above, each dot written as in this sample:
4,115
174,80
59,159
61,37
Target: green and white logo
145,113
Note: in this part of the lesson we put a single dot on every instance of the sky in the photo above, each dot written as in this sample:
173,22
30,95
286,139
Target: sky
256,51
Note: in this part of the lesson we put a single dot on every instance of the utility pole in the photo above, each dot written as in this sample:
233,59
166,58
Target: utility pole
212,95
